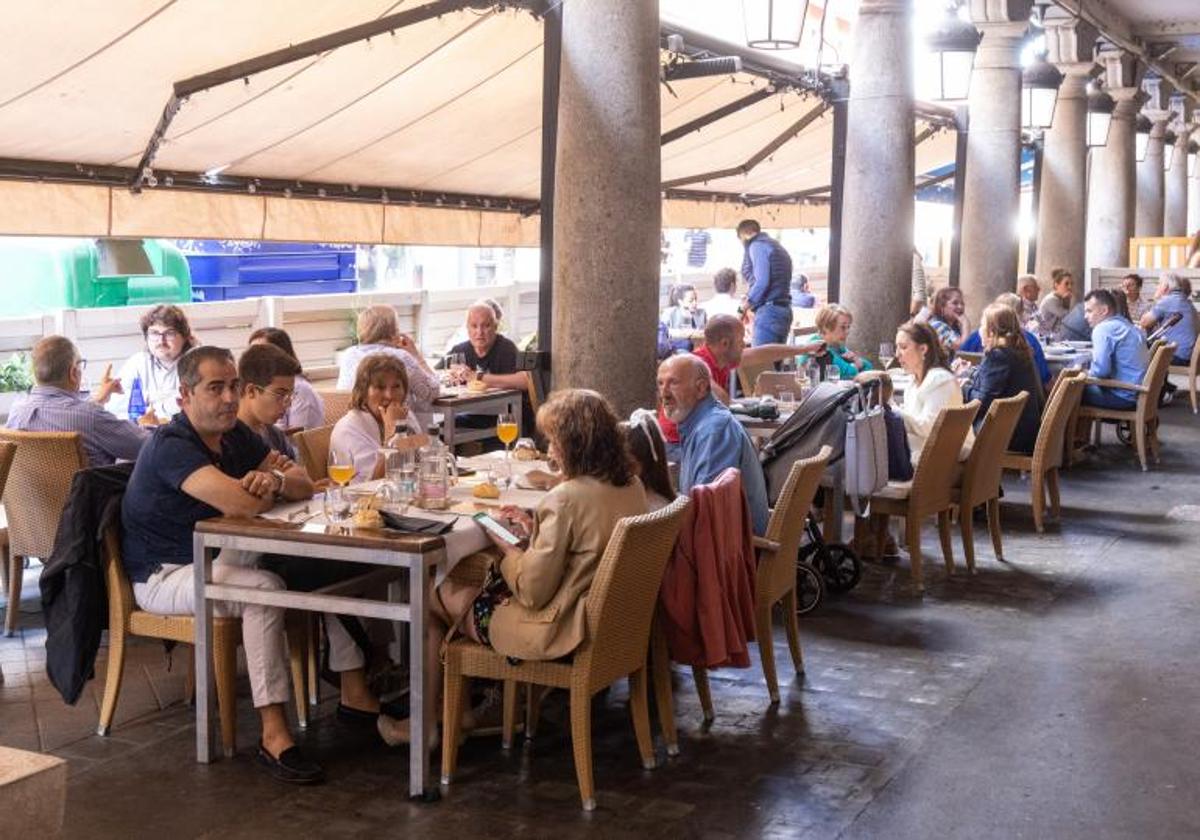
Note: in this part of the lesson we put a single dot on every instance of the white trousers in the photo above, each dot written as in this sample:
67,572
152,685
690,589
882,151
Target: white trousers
171,591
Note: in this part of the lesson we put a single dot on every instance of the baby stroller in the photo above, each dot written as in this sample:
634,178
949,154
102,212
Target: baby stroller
820,420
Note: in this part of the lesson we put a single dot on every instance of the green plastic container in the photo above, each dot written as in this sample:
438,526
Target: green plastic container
40,275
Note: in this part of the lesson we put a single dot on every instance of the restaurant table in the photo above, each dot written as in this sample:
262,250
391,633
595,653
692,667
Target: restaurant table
455,401
416,555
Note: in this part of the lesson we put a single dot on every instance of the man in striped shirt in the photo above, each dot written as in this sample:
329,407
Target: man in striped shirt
55,405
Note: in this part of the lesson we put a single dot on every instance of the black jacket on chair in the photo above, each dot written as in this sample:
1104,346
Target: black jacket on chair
74,595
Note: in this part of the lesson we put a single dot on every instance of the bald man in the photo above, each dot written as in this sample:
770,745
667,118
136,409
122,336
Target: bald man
493,358
711,438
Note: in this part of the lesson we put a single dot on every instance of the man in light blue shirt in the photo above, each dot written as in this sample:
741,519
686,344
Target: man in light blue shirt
1173,296
55,405
711,438
1118,352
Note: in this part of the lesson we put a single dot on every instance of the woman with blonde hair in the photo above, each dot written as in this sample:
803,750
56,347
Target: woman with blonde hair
378,409
833,326
378,331
1007,369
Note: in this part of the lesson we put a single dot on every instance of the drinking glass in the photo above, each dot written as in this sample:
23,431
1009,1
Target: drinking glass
337,505
832,374
341,467
508,431
887,355
401,471
787,401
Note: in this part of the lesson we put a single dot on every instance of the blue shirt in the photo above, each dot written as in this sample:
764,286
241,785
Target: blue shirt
1119,352
711,441
105,437
1183,334
974,344
156,515
767,267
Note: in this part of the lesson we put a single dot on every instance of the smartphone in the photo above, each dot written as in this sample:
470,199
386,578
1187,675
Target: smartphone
491,525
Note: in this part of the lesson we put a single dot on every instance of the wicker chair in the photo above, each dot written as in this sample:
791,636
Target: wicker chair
981,476
337,403
38,486
775,382
1191,370
774,583
1047,458
748,376
125,619
931,490
313,448
620,605
1143,418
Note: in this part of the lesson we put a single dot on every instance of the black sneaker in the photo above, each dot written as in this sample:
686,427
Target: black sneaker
291,766
361,718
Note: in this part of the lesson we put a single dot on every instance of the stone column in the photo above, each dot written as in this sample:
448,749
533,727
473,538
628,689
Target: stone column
607,207
1176,178
992,192
1113,186
1148,217
1062,212
877,210
1194,195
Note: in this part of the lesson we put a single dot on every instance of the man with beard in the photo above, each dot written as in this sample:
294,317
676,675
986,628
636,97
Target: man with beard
711,438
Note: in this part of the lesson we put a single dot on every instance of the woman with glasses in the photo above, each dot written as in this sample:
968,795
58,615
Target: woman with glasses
167,337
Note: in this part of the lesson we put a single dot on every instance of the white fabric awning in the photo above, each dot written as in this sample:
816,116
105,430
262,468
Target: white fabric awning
449,105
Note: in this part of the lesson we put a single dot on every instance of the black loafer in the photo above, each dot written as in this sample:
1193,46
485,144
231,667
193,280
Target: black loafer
397,709
291,766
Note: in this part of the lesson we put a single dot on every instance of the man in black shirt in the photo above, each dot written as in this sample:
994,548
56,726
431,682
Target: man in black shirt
490,357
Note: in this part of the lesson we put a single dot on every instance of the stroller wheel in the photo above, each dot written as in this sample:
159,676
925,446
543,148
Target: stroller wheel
809,588
840,567
1125,433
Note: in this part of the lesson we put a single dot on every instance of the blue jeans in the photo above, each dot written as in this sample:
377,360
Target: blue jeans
772,324
1105,398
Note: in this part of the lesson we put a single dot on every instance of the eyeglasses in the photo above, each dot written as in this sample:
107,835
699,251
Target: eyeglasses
282,396
162,335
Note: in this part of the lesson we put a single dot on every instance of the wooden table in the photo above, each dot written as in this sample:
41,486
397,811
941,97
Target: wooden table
456,401
416,554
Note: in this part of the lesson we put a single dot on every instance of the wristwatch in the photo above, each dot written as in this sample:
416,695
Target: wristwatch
282,477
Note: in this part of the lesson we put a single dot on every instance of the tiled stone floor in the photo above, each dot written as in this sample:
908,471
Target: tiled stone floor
1050,696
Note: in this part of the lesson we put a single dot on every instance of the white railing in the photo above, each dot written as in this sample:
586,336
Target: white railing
319,325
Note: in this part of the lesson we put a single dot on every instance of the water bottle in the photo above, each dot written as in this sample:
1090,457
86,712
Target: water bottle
814,373
137,402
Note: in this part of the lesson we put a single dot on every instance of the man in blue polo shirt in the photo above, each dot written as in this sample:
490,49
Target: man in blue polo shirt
207,463
767,268
711,438
1174,297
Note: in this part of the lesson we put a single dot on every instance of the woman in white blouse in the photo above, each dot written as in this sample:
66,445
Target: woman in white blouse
934,387
306,411
377,410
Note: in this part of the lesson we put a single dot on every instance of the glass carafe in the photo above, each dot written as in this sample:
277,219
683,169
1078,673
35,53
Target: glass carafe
433,477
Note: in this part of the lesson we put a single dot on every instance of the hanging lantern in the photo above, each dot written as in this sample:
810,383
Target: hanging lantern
1039,94
1100,107
1168,140
946,63
1141,139
774,24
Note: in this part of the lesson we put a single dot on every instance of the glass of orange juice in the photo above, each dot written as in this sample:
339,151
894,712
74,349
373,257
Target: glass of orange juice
341,466
508,431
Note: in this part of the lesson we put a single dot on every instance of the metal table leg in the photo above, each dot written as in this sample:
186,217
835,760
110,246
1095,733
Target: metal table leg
418,752
205,695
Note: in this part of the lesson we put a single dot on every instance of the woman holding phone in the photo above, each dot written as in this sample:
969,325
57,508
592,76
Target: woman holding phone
531,605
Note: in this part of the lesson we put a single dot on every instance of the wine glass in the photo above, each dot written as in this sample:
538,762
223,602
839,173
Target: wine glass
508,431
341,466
887,355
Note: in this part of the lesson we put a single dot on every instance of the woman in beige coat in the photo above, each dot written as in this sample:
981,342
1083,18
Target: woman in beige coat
533,603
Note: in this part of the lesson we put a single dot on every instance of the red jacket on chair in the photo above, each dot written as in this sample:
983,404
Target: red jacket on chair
707,597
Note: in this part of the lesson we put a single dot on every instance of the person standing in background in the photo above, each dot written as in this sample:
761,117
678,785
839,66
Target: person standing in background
698,241
767,268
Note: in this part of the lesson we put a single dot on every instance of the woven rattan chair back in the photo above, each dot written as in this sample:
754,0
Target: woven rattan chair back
621,599
1155,379
777,569
981,476
37,487
336,403
936,473
7,451
1064,400
772,383
313,448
